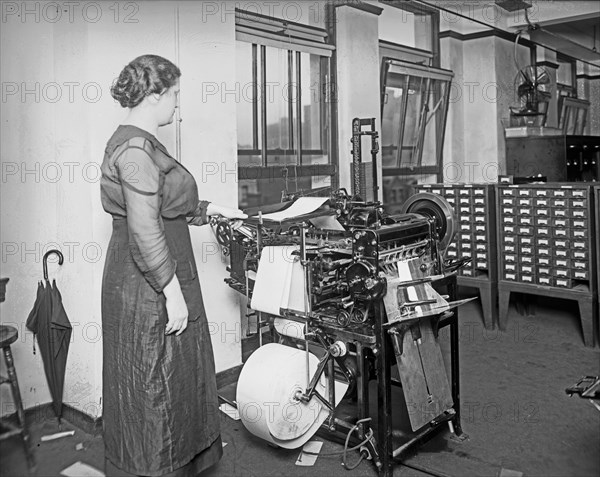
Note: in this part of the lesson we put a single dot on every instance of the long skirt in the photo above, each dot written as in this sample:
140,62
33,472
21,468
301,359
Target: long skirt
160,404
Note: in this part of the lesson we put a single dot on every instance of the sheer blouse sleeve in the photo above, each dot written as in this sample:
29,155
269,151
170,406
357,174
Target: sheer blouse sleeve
199,217
142,183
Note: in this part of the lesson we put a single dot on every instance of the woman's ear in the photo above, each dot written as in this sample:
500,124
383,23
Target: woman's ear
154,97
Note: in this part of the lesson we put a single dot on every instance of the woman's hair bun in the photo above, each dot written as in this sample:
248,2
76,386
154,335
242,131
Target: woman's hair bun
143,76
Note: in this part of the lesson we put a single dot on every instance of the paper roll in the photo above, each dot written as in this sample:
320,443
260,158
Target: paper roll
266,396
291,328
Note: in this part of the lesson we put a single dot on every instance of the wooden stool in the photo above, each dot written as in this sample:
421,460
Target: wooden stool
9,335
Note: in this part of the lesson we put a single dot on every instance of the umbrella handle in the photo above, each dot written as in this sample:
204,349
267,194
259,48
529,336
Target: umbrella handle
45,260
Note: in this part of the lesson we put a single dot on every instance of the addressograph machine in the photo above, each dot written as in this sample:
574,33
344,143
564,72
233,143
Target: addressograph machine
353,298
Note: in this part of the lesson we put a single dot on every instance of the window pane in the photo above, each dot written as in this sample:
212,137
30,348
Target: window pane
312,100
248,130
278,120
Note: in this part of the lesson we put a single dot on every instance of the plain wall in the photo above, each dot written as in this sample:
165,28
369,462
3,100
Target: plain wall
53,140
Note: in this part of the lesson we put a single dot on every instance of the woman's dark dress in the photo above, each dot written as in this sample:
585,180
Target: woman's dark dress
160,408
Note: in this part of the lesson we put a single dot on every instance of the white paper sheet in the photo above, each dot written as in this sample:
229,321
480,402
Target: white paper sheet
314,447
280,281
302,206
79,469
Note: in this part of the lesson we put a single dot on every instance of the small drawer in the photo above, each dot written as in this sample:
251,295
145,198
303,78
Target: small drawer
480,228
527,268
466,218
466,246
579,264
509,219
563,282
578,193
579,244
529,259
465,192
560,232
465,237
449,191
479,201
524,201
543,241
542,193
510,257
478,191
508,210
465,210
481,264
525,192
544,270
525,220
561,253
541,202
527,278
466,272
561,193
465,253
508,192
480,246
543,232
579,233
480,238
511,276
481,256
561,262
526,241
542,221
560,203
580,254
510,201
510,239
562,272
525,230
479,210
542,212
544,280
509,248
578,203
578,213
544,252
480,219
581,274
561,222
560,213
526,249
561,243
545,261
525,210
579,223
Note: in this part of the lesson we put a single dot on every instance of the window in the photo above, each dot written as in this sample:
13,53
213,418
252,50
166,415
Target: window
414,107
284,117
566,76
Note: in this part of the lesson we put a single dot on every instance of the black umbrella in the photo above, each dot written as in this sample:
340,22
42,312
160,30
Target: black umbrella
49,323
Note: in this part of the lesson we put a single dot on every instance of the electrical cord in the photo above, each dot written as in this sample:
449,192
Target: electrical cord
348,449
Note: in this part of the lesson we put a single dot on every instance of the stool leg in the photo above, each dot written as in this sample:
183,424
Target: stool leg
14,384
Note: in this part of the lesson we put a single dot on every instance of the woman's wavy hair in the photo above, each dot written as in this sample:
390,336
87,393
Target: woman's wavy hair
146,75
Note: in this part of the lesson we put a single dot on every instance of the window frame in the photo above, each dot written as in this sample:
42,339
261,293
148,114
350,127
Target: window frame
261,31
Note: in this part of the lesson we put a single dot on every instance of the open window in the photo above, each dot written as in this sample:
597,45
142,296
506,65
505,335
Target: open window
414,106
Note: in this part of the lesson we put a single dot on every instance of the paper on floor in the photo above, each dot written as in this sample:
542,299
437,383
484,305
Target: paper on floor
58,435
231,411
309,459
79,469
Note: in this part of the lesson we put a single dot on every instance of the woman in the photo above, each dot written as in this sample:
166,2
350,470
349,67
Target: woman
160,409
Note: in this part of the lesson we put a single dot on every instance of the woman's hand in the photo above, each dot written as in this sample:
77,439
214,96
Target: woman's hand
227,212
177,311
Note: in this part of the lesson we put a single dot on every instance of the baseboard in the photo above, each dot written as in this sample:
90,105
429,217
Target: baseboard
229,376
93,425
45,412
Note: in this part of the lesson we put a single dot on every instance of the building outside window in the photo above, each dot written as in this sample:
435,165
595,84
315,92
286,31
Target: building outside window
284,111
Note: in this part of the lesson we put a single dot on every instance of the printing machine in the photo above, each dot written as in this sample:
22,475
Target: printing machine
365,294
